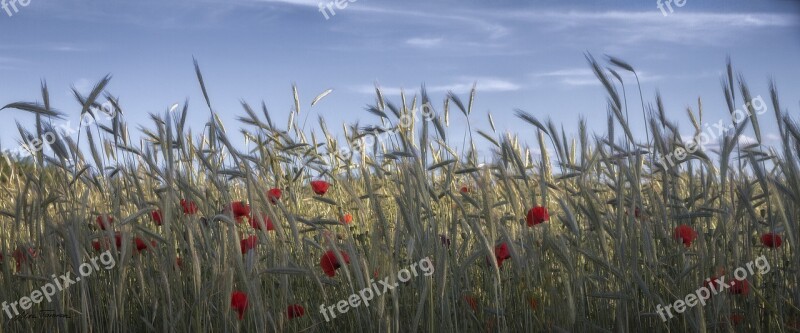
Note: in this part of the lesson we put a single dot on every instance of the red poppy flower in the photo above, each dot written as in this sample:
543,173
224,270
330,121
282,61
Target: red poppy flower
464,189
636,213
104,220
329,263
295,311
179,262
263,218
239,303
21,257
739,287
142,245
248,243
105,242
771,240
239,210
473,304
490,325
189,207
156,216
736,319
320,187
501,254
274,195
346,218
532,303
686,234
537,215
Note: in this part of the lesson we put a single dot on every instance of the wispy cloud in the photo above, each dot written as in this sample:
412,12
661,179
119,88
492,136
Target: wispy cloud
715,146
460,86
566,72
490,28
684,20
568,77
51,47
483,84
424,42
309,3
10,63
630,27
582,77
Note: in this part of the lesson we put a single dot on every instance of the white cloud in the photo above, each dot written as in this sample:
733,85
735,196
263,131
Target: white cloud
585,76
682,20
55,47
9,63
471,21
308,3
567,72
367,89
462,85
747,140
494,30
424,42
715,145
568,76
486,84
66,48
629,27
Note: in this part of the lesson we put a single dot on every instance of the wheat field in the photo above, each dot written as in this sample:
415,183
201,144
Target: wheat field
211,235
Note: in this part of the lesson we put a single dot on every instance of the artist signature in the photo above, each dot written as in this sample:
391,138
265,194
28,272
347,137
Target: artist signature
44,314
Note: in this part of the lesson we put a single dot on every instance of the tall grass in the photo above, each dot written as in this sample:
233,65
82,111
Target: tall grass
592,267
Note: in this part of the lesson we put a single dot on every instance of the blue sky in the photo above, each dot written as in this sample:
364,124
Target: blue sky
522,54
